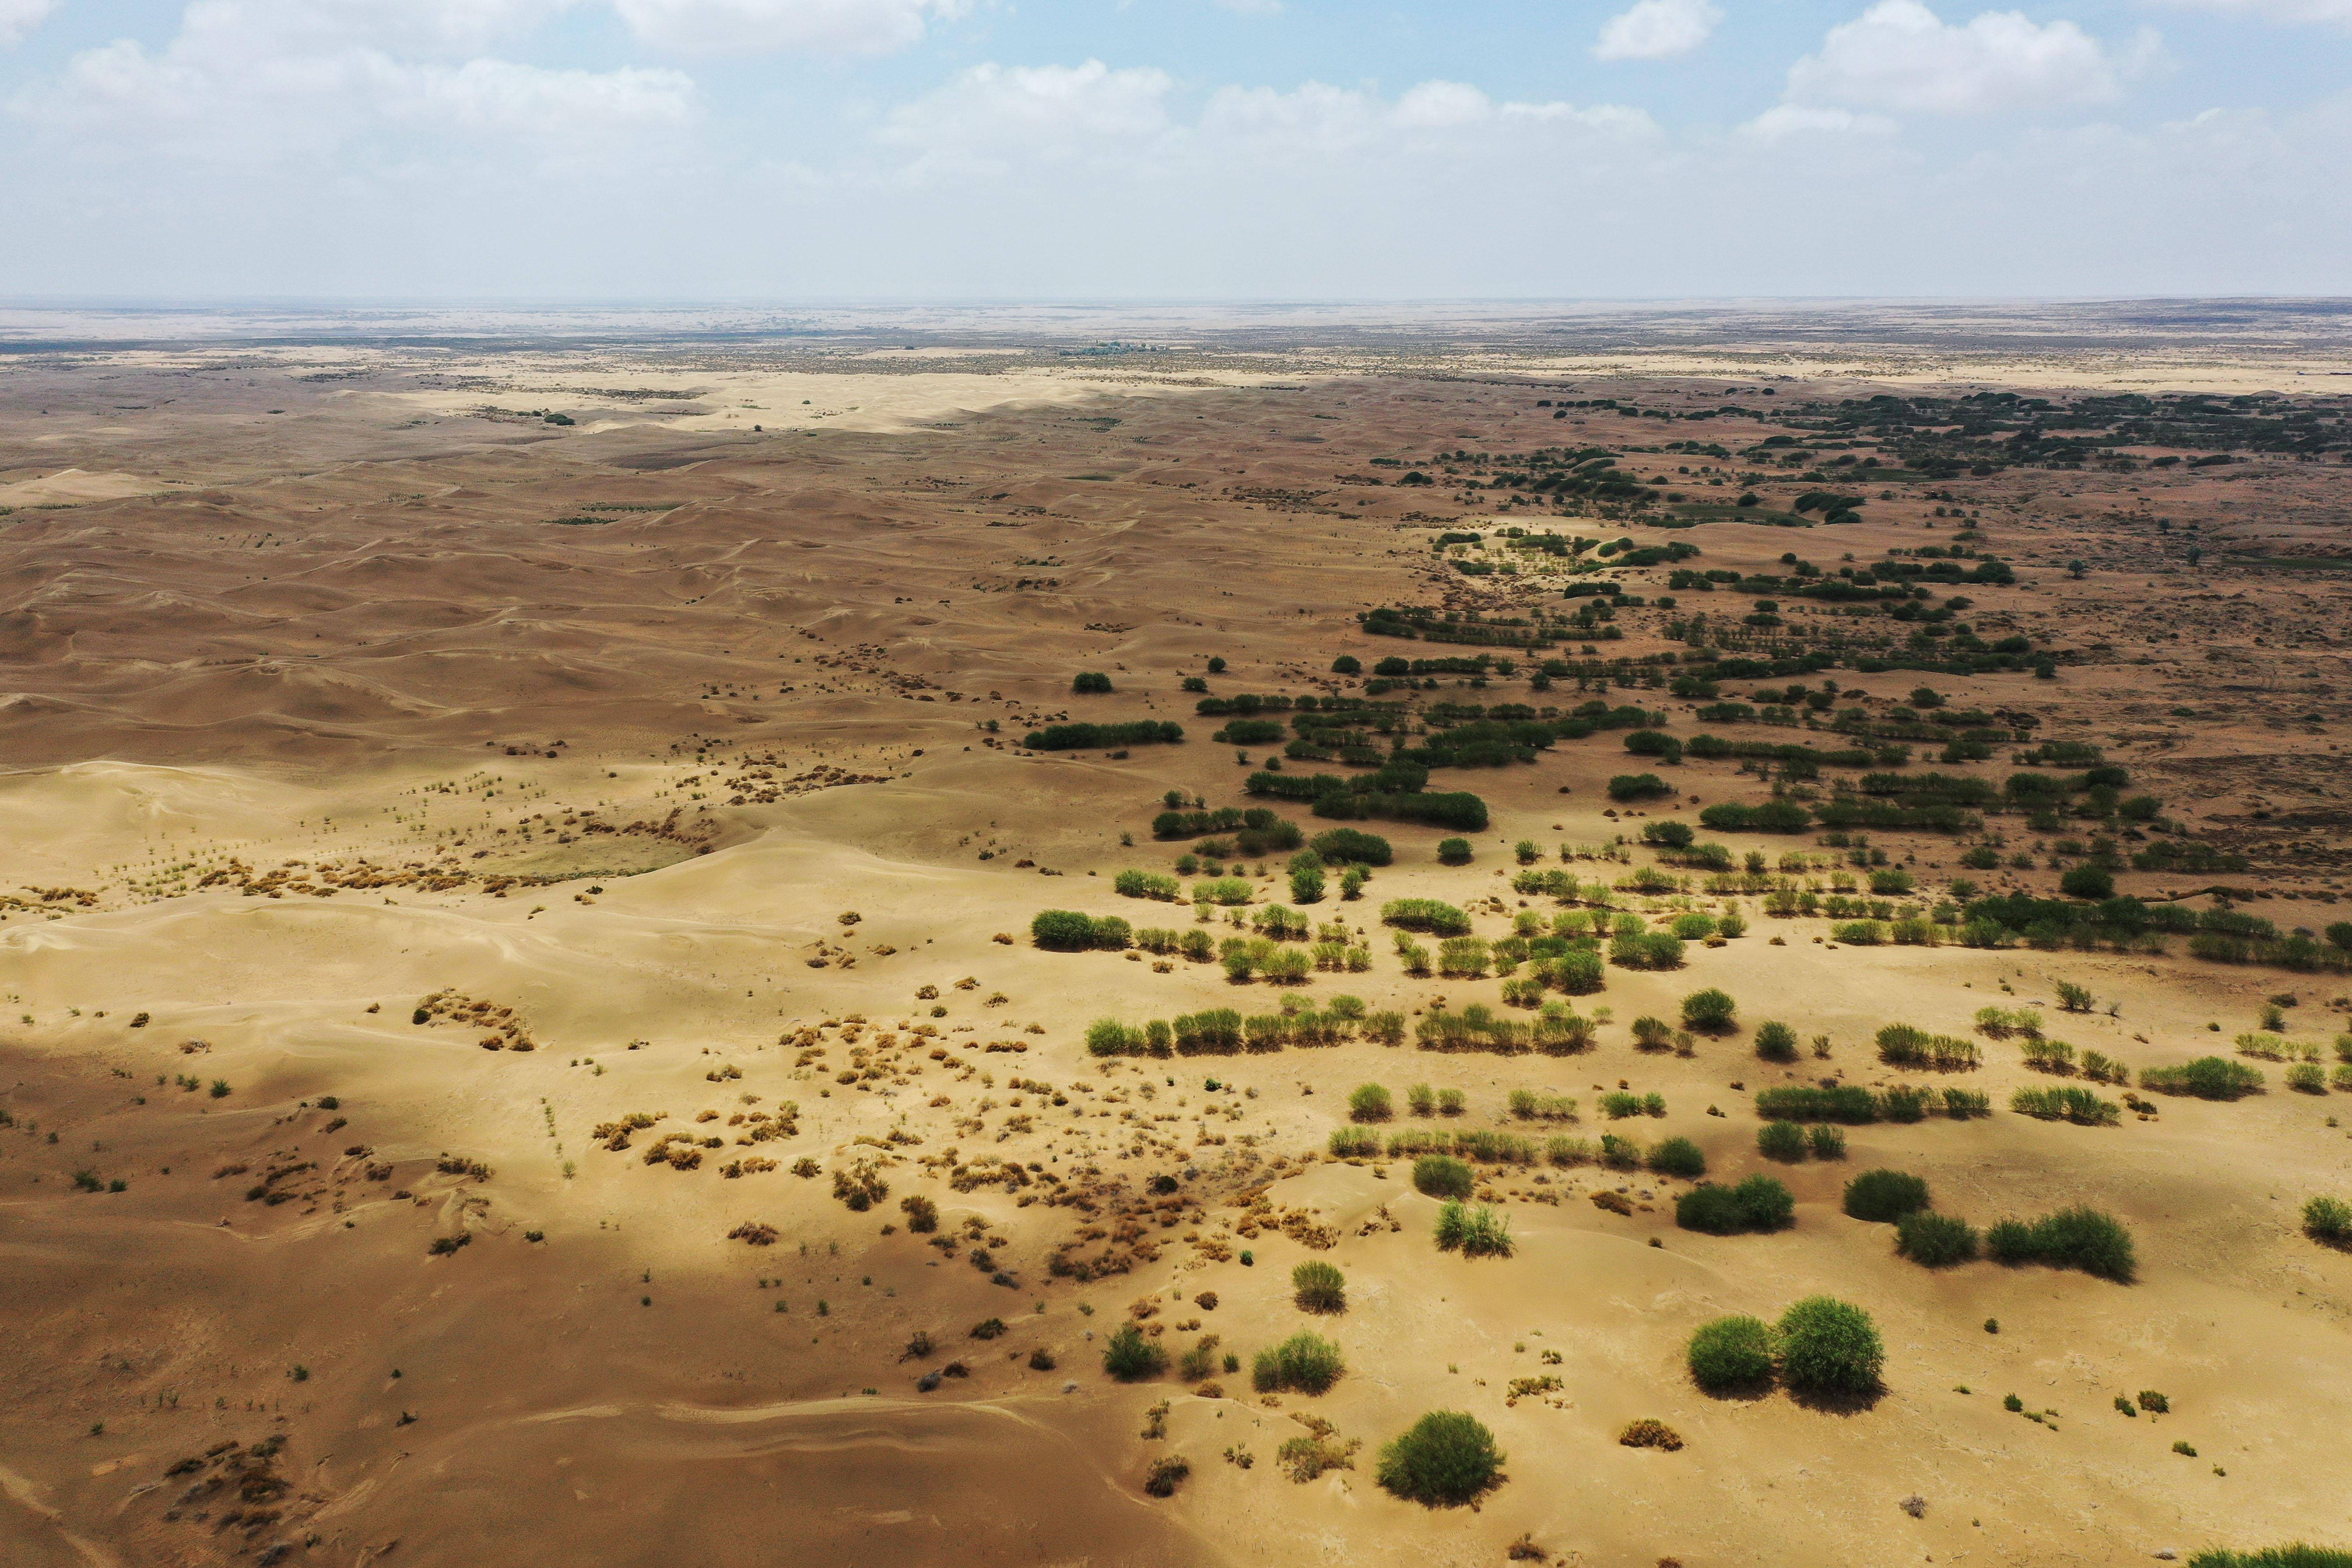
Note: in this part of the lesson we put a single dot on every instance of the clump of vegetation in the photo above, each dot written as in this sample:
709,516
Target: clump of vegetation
1783,1141
1354,1143
1711,1011
1480,1232
1775,1042
1070,931
2080,1237
2295,1555
1757,1203
1129,1357
2068,1104
1884,1197
1934,1240
1730,1355
1165,1476
1370,1102
1318,1287
1447,1459
2207,1077
1306,1362
1830,1349
2328,1221
1677,1157
1443,1176
1650,1433
922,1214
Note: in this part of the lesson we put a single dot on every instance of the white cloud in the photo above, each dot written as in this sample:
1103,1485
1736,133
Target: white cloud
1657,30
1898,55
1433,105
1787,120
833,26
18,17
2337,13
1052,113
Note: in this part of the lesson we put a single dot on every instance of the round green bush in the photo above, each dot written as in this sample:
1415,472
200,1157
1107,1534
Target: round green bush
1884,1197
1129,1357
2087,882
1775,1042
1453,851
1678,1157
1935,1240
1830,1349
1443,1176
1061,930
1730,1354
1783,1141
2328,1221
1318,1287
1447,1457
1306,1362
1710,1009
1765,1202
1370,1102
1715,1210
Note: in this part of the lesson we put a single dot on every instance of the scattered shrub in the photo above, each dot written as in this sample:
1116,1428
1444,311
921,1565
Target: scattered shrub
1848,1104
1649,1433
2069,1103
1443,1176
1068,930
2328,1221
1775,1042
1711,1010
1759,1203
1481,1232
1934,1240
1783,1141
1830,1349
1318,1287
1342,846
1306,1362
1884,1197
1370,1102
1355,1143
1828,1143
1129,1357
1453,851
2079,1237
2207,1077
1730,1355
1447,1458
1677,1157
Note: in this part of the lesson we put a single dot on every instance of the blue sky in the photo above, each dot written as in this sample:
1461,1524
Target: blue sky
1195,149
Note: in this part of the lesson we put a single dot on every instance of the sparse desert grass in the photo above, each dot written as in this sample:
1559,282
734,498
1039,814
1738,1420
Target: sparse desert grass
1730,1355
1318,1287
1529,1106
1446,1458
1830,1349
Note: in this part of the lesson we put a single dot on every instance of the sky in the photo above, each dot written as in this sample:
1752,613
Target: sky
1107,149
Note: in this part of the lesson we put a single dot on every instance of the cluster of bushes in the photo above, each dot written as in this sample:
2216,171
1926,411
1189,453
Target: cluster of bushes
1069,931
1646,950
2068,1104
1086,737
1135,884
1554,1030
1821,1348
1494,1148
1789,1143
1343,845
1257,831
2079,1237
1480,1232
1757,1203
1425,915
1222,1031
1306,1362
1900,1044
1331,795
1900,1199
1627,787
2207,1077
1854,1105
1772,817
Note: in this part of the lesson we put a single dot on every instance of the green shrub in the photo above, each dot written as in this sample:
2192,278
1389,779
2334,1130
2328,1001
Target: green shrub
1775,1042
1759,1203
2328,1221
1731,1355
1355,1143
1346,845
2297,1555
1447,1458
2069,1103
1306,1362
1642,787
1129,1357
1443,1176
1828,1143
1677,1157
1474,1233
1884,1197
1318,1287
1783,1141
1935,1240
1068,930
1453,851
1711,1010
1830,1349
1426,915
2207,1077
1370,1102
1135,884
2079,1237
1091,682
1849,1103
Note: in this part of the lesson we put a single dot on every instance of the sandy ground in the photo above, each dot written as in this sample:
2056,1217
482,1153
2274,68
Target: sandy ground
348,723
